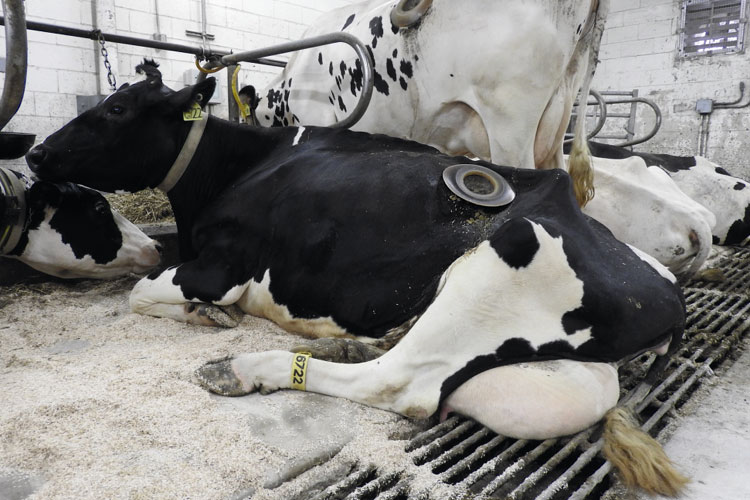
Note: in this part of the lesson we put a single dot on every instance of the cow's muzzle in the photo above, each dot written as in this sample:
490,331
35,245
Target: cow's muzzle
36,158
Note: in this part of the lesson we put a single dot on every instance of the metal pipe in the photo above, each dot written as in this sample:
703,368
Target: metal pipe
657,120
138,42
16,62
307,43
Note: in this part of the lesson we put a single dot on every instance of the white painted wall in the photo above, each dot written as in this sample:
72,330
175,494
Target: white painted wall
640,51
61,67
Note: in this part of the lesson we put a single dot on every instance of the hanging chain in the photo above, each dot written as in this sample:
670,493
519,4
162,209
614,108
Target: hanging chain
110,77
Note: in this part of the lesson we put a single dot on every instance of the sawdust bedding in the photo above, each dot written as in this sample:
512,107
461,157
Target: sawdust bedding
98,402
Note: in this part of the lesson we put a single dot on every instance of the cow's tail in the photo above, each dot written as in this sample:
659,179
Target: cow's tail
579,162
639,458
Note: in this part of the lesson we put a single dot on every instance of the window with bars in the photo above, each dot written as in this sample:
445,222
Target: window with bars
712,26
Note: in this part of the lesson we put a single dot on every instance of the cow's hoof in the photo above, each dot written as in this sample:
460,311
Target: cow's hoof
340,350
213,315
219,378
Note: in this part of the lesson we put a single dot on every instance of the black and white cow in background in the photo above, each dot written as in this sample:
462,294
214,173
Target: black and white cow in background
69,231
495,79
489,81
726,196
328,233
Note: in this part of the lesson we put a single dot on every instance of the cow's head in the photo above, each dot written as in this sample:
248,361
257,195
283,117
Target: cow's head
128,141
70,231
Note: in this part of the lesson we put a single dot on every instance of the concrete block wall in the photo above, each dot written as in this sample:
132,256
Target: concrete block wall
62,67
640,51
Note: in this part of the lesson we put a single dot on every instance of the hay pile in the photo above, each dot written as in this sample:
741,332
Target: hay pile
144,207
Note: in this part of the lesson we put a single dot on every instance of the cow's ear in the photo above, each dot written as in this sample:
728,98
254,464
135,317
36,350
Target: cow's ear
201,92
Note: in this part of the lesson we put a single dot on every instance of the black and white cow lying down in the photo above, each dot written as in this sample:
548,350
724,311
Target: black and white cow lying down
724,195
327,233
69,231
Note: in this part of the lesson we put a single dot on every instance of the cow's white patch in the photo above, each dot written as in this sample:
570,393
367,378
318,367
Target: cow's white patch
298,136
258,301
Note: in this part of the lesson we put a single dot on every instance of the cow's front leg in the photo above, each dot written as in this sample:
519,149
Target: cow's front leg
169,295
377,383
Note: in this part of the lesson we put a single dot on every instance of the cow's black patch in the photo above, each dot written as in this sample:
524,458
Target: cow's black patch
295,118
574,321
390,69
518,244
578,30
285,122
380,84
349,21
715,240
267,117
556,348
320,58
720,170
286,95
356,77
394,30
416,57
406,68
283,84
740,186
338,82
395,53
739,230
330,68
670,163
515,348
330,99
272,97
342,68
77,218
342,106
290,83
376,28
402,82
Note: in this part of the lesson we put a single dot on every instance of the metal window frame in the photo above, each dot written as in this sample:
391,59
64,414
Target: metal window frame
738,48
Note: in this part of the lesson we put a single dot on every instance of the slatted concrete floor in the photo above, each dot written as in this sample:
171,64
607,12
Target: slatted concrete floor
469,461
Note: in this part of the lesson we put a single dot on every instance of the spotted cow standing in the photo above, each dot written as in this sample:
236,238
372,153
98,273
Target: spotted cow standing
494,78
327,233
69,231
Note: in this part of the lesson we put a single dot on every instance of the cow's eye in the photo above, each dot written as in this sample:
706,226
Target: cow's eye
116,110
101,208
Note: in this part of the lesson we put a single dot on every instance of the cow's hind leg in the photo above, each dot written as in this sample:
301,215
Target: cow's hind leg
377,383
159,295
339,350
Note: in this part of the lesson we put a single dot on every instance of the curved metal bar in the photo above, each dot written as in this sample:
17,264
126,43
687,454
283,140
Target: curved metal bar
316,41
657,121
16,62
602,115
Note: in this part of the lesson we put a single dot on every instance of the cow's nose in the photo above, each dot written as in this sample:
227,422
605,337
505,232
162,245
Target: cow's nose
35,158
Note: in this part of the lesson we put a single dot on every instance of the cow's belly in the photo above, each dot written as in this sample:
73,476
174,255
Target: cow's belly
538,400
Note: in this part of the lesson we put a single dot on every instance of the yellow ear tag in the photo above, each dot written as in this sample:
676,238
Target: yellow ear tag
193,114
299,370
